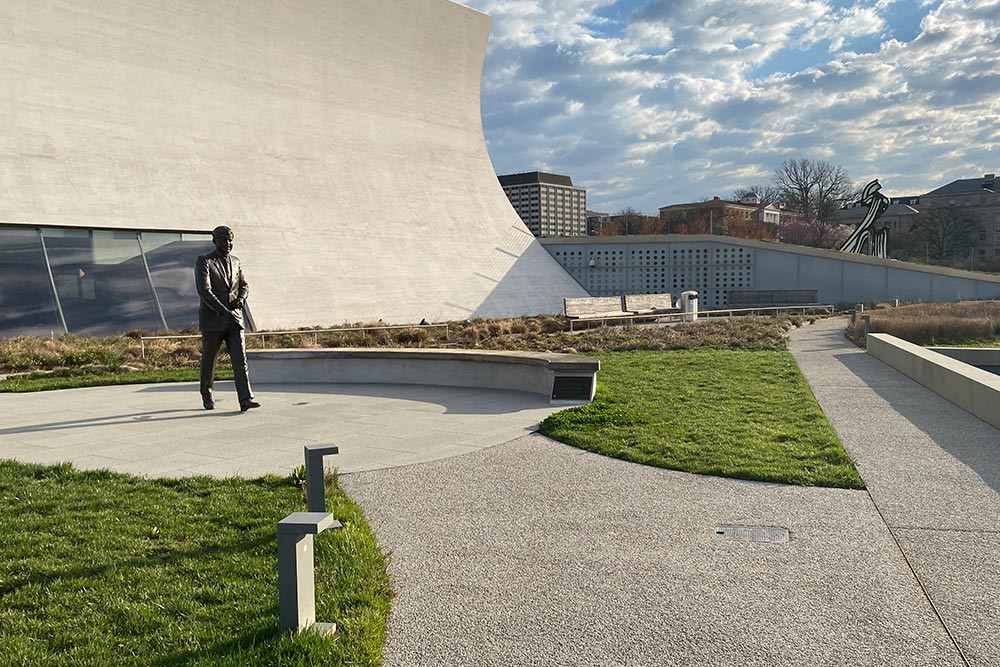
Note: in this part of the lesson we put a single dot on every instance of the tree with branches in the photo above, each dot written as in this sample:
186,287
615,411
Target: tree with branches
814,188
944,233
768,194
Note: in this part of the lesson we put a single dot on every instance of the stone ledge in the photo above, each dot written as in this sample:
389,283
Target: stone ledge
535,372
970,388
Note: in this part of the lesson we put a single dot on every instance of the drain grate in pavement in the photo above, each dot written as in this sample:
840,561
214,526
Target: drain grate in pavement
772,534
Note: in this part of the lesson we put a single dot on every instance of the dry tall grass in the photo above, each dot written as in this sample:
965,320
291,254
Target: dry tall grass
542,333
964,322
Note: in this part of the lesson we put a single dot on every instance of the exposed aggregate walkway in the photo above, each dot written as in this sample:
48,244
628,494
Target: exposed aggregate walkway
510,549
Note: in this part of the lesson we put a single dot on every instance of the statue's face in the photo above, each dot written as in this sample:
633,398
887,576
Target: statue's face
223,242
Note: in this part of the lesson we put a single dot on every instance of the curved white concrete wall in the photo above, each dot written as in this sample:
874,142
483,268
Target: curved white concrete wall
341,139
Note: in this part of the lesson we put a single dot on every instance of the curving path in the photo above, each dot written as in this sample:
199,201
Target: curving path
523,551
534,553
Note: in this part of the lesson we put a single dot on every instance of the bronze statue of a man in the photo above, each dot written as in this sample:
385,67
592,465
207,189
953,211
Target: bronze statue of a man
223,291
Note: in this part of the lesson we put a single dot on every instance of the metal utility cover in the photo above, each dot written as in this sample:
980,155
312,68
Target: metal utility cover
773,534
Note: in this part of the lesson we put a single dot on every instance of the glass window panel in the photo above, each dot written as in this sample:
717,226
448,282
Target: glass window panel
171,264
101,281
26,304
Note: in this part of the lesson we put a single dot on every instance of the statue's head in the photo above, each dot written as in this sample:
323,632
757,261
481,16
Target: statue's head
222,237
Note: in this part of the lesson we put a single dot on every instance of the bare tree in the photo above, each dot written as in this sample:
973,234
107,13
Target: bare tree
629,220
814,188
944,233
768,193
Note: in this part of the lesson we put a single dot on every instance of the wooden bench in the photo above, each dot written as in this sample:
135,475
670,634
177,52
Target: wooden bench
594,309
777,297
560,377
603,309
649,304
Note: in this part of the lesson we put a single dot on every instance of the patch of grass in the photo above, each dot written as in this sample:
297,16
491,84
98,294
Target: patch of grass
731,413
83,377
962,323
100,568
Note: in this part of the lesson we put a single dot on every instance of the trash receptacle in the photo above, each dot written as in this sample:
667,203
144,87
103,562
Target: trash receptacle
689,306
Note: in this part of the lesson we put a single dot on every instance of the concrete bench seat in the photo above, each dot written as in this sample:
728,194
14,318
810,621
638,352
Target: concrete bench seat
560,377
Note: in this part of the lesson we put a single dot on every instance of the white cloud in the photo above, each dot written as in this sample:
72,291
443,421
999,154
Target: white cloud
668,102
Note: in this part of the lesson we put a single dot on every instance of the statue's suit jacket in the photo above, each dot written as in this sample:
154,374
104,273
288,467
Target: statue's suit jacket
220,290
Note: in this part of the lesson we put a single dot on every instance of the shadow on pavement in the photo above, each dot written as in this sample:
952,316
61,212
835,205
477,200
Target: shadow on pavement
969,439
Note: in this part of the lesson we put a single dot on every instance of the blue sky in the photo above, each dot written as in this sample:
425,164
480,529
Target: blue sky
651,102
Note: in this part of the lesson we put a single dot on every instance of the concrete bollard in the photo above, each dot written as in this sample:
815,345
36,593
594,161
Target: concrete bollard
296,579
315,487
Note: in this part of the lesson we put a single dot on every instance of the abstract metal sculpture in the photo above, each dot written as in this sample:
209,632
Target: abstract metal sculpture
866,240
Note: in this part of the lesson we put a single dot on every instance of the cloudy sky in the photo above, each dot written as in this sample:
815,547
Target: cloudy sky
652,102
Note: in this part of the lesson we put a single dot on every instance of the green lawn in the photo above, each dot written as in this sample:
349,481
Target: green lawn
102,569
73,378
732,413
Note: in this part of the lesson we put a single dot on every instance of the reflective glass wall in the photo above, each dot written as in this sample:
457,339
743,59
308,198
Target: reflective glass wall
96,282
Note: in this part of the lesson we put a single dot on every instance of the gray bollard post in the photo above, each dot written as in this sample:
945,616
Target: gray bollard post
867,319
315,487
296,582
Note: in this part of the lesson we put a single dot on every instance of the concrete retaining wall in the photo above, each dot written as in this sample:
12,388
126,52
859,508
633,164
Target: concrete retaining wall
716,265
972,389
533,372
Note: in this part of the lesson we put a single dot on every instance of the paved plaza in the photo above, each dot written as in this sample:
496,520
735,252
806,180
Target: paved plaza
510,549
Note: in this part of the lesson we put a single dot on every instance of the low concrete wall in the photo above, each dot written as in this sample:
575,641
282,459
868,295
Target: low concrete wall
974,356
972,389
536,372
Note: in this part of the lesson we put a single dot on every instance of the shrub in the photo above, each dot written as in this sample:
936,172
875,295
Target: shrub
934,323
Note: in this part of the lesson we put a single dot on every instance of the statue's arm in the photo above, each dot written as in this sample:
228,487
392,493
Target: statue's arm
243,290
204,286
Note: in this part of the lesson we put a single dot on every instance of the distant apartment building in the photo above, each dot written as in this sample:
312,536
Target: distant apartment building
899,215
974,200
594,221
717,212
549,204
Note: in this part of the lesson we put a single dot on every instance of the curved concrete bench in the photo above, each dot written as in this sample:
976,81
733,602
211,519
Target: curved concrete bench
560,377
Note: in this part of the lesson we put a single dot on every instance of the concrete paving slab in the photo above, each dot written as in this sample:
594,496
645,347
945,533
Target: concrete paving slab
536,553
932,470
162,430
961,575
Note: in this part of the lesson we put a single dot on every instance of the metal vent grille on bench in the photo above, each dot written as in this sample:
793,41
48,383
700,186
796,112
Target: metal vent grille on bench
571,388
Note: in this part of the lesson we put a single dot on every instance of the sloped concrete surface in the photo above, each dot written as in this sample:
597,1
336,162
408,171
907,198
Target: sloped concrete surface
341,140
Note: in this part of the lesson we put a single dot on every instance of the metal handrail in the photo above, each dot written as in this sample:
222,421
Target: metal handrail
315,332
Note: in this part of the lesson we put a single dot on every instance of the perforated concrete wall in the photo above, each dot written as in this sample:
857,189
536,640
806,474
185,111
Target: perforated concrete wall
341,139
713,265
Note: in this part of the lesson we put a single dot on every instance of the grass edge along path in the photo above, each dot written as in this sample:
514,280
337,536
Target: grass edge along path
729,413
102,568
77,378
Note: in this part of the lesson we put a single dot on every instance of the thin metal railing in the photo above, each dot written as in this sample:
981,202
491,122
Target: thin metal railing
678,316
